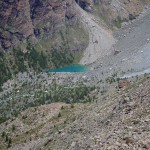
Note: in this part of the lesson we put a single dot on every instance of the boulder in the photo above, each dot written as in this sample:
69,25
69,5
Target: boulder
123,84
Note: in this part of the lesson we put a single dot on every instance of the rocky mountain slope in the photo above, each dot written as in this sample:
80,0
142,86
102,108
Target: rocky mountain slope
114,12
98,109
53,29
106,46
100,38
39,35
33,19
115,120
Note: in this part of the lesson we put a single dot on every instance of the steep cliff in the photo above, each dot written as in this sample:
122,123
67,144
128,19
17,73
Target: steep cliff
26,19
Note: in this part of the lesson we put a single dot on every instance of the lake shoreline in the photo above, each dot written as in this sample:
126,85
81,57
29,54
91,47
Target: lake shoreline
70,69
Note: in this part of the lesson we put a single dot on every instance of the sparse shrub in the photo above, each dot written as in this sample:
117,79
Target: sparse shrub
6,138
9,142
118,22
131,17
3,134
59,115
72,106
62,107
24,117
13,127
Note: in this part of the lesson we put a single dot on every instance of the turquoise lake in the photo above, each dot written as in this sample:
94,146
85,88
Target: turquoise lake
72,68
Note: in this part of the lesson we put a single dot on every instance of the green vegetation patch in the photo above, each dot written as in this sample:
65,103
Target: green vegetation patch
4,70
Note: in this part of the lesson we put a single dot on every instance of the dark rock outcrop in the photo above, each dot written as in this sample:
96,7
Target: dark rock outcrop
85,4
